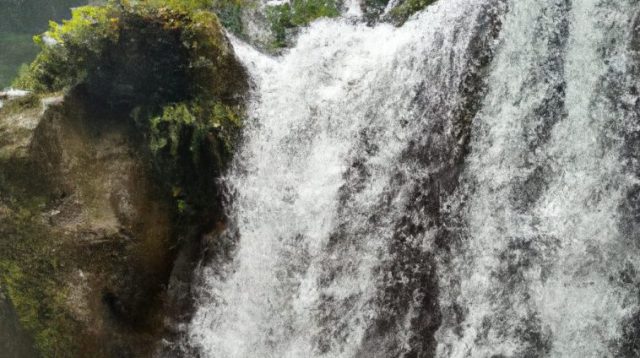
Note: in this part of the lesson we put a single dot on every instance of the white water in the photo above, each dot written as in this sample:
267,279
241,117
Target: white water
568,244
327,183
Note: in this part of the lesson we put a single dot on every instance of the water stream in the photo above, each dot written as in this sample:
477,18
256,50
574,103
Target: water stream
465,185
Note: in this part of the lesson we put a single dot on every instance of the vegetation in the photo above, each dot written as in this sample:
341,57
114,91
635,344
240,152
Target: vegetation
30,276
230,14
68,50
20,20
32,280
399,14
296,13
228,11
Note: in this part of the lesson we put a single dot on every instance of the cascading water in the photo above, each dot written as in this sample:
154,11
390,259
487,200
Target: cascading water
462,186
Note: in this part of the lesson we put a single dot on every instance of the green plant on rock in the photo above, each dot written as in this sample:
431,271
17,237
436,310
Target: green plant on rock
163,57
38,301
230,14
297,13
69,49
30,276
399,14
182,5
184,137
228,11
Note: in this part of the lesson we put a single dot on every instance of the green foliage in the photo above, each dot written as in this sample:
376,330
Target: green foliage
131,53
230,14
182,206
69,49
166,128
185,138
228,11
295,14
202,120
399,14
181,5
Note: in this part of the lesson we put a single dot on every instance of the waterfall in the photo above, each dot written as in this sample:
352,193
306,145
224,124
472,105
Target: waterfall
465,185
539,270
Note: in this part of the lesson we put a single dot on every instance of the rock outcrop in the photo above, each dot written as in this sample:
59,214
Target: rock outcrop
108,182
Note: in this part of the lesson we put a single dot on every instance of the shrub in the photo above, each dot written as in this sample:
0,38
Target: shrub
295,14
228,11
69,49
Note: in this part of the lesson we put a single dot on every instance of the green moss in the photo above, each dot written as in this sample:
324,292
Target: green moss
89,47
295,14
182,5
399,14
228,11
230,14
186,139
30,273
38,301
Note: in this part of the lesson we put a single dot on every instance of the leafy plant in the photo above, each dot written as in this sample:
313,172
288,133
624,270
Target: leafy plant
297,13
68,49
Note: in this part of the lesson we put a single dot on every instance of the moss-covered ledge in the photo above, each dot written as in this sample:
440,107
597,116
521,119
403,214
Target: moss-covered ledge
108,173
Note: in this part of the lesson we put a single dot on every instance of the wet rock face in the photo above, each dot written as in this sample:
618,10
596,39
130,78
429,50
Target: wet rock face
103,230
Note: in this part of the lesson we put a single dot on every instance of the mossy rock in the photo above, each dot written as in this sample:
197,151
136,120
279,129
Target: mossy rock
86,233
103,185
137,55
169,69
405,9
